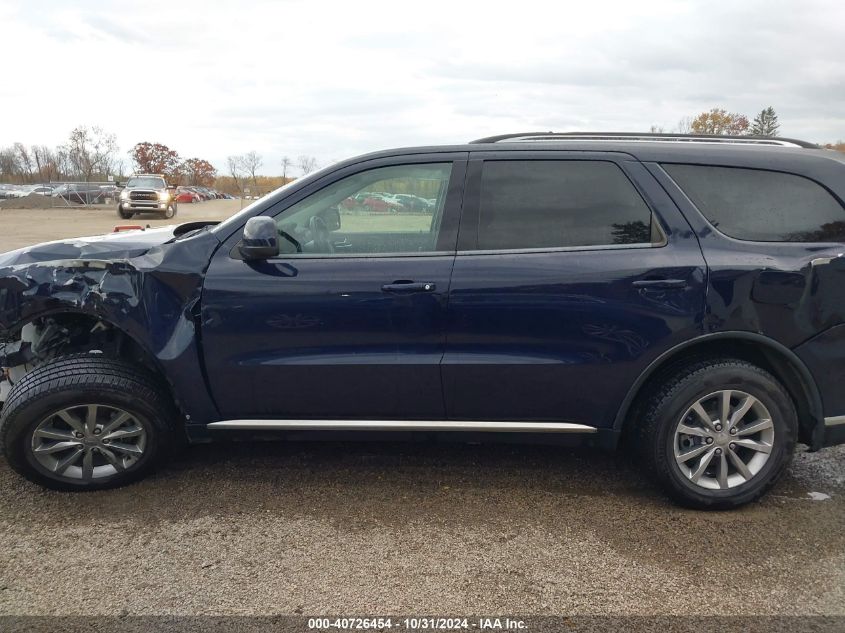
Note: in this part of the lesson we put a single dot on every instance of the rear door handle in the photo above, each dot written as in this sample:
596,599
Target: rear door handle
660,283
409,286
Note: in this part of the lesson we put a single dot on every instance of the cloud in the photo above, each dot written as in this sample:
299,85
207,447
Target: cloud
333,79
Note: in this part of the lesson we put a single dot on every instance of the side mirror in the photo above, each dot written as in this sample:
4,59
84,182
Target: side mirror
260,240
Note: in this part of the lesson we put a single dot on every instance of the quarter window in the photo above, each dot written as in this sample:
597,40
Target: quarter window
762,206
389,210
565,203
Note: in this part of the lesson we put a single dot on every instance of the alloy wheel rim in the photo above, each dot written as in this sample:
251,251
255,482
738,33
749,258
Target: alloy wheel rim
723,440
88,442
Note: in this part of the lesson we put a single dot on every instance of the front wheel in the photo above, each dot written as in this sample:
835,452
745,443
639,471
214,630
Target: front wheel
86,423
170,211
126,215
719,434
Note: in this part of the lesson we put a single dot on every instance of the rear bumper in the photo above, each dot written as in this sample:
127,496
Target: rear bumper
834,431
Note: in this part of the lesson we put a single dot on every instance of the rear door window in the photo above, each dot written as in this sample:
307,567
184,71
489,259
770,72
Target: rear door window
542,204
761,205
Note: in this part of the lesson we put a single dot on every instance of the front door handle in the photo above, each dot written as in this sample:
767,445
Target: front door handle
409,286
660,283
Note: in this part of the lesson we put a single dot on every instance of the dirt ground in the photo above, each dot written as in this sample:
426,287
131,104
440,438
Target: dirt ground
377,528
24,227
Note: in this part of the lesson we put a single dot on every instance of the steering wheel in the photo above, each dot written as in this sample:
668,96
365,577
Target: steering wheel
320,235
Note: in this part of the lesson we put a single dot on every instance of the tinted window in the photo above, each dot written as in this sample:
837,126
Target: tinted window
764,206
548,204
387,210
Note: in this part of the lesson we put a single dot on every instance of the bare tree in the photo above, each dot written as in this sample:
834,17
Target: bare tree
656,129
91,151
45,162
236,171
286,162
685,125
306,164
251,162
25,163
9,168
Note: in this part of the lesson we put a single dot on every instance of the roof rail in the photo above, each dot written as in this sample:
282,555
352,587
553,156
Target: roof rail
538,137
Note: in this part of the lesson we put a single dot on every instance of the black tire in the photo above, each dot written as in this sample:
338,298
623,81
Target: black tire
665,409
170,212
126,215
79,380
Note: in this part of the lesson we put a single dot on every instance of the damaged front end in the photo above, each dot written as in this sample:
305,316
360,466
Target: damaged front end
130,296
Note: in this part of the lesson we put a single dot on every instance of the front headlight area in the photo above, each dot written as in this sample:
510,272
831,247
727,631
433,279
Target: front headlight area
164,196
124,195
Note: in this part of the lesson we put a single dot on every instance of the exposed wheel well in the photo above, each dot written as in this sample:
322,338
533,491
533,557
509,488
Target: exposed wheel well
789,371
48,337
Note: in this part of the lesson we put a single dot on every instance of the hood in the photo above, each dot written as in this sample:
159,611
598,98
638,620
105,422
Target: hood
112,246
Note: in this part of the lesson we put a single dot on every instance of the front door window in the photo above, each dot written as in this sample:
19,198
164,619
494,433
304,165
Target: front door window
385,211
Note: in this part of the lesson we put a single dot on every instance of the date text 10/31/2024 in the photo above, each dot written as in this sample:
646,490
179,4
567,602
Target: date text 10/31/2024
417,624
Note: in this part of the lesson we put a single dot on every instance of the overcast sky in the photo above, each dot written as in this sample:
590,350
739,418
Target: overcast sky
335,79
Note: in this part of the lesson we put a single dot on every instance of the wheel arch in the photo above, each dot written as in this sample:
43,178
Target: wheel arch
125,346
761,350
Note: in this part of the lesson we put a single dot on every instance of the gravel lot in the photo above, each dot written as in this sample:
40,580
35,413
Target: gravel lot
23,227
384,528
373,528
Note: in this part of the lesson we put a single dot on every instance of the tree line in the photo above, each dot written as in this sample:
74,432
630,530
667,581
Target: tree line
92,154
243,169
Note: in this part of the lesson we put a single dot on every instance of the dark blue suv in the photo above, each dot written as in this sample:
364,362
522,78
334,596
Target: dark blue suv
682,295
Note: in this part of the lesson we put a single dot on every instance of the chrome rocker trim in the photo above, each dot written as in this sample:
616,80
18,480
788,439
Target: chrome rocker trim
402,425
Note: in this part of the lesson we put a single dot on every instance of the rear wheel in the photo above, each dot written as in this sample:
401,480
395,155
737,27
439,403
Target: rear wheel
719,433
86,423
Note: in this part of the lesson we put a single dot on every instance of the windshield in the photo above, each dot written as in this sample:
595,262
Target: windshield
150,182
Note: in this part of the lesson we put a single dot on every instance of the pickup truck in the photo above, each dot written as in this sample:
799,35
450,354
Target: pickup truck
147,193
679,297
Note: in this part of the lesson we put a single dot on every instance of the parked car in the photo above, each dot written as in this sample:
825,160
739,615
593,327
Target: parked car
25,190
679,296
414,203
184,194
79,193
378,204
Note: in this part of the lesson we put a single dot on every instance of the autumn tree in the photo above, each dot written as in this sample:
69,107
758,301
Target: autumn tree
306,164
198,172
91,151
766,123
156,158
720,121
